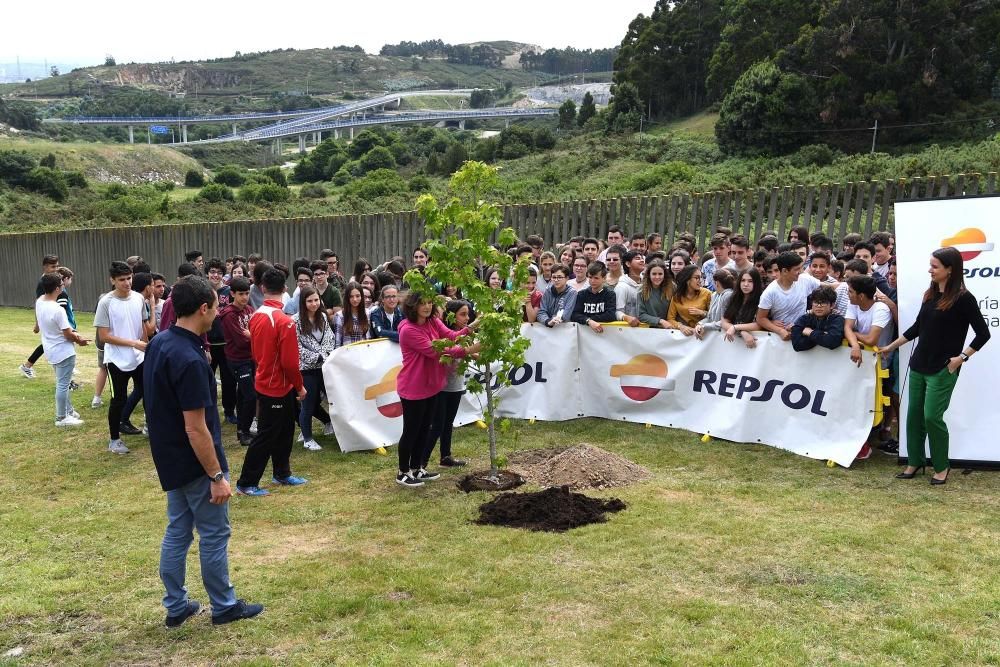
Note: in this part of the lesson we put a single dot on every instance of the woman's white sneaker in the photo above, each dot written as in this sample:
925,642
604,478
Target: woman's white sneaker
69,420
312,445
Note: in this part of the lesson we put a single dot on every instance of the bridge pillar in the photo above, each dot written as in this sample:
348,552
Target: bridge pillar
336,134
131,134
506,123
302,143
234,128
461,124
352,134
184,133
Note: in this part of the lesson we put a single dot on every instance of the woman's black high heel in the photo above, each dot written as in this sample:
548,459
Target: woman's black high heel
911,475
937,482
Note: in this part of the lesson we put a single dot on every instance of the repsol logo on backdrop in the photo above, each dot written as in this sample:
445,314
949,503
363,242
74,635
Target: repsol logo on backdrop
518,375
731,385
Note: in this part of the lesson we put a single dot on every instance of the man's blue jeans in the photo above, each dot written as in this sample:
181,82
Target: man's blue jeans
189,507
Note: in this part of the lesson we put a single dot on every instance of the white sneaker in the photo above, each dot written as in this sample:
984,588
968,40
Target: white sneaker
74,413
69,420
97,402
145,430
253,427
117,447
328,429
27,371
300,438
312,445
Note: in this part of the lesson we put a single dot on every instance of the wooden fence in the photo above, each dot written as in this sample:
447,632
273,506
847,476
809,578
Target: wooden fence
835,209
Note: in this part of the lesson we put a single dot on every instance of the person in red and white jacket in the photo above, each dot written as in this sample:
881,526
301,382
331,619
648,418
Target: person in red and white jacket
278,382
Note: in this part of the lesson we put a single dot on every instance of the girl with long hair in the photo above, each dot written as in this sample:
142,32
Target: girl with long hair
679,258
420,381
351,325
740,316
725,281
799,233
655,294
690,301
947,312
579,282
361,267
316,343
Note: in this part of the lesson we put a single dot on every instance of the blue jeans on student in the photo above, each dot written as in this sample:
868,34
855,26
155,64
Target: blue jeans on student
312,379
189,507
64,374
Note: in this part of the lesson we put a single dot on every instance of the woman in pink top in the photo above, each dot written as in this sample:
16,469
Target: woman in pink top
419,382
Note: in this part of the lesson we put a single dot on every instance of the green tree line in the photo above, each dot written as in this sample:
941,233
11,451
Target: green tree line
832,63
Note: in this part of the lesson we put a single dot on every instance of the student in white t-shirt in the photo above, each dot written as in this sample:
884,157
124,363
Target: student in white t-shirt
58,339
119,321
784,299
868,322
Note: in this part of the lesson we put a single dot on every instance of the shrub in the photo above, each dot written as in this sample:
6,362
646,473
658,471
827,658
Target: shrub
379,183
544,139
230,175
14,167
256,193
164,186
215,192
377,158
313,191
193,178
276,175
75,179
819,155
48,182
343,176
420,183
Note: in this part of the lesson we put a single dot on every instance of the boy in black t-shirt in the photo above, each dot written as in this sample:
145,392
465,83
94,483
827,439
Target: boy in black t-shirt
597,304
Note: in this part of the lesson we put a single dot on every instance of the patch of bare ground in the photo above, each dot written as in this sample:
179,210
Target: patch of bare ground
581,466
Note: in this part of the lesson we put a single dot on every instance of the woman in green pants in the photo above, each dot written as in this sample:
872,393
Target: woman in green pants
942,325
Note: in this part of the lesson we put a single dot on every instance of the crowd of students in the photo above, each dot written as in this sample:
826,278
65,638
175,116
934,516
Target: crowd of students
269,342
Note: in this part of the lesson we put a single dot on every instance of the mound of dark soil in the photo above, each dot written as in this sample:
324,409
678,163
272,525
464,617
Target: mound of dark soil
480,481
554,510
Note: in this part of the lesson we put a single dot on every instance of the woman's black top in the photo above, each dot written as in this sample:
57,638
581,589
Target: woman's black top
942,332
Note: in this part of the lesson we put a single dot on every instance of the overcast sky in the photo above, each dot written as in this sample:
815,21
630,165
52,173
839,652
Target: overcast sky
83,32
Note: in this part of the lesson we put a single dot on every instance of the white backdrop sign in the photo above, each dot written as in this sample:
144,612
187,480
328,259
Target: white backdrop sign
816,404
972,226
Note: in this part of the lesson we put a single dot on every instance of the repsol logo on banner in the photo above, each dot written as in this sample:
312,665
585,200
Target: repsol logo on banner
518,375
731,385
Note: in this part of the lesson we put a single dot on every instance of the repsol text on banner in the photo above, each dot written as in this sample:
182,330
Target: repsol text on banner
731,385
518,375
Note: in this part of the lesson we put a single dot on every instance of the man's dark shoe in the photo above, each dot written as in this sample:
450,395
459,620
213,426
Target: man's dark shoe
238,612
244,438
127,428
231,419
451,462
193,609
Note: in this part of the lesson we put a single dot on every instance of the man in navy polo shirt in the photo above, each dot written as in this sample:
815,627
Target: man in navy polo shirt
186,444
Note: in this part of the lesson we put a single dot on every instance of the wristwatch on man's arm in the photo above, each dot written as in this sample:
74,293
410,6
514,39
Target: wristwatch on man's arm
218,477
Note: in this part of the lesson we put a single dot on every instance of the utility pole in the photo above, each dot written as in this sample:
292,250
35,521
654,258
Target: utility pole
874,134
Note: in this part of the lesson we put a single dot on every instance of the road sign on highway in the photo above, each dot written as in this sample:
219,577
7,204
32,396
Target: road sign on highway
159,129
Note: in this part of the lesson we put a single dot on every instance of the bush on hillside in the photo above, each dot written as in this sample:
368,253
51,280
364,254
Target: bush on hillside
214,193
276,175
420,183
313,191
76,179
230,175
48,182
258,193
377,158
193,178
14,167
379,183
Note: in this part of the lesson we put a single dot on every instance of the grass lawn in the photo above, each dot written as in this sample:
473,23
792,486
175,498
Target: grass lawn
728,554
702,123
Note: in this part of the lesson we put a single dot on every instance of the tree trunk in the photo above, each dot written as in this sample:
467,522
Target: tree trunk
491,426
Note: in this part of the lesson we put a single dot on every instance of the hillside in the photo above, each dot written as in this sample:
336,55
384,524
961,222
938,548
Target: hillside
110,163
309,71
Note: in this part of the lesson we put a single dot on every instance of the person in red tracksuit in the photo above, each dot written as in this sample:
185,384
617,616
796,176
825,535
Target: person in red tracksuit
278,381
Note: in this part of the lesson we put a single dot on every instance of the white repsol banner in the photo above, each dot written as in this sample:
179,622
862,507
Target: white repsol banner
816,404
972,226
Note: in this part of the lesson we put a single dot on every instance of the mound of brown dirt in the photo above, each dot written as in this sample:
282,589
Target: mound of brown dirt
582,466
553,510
